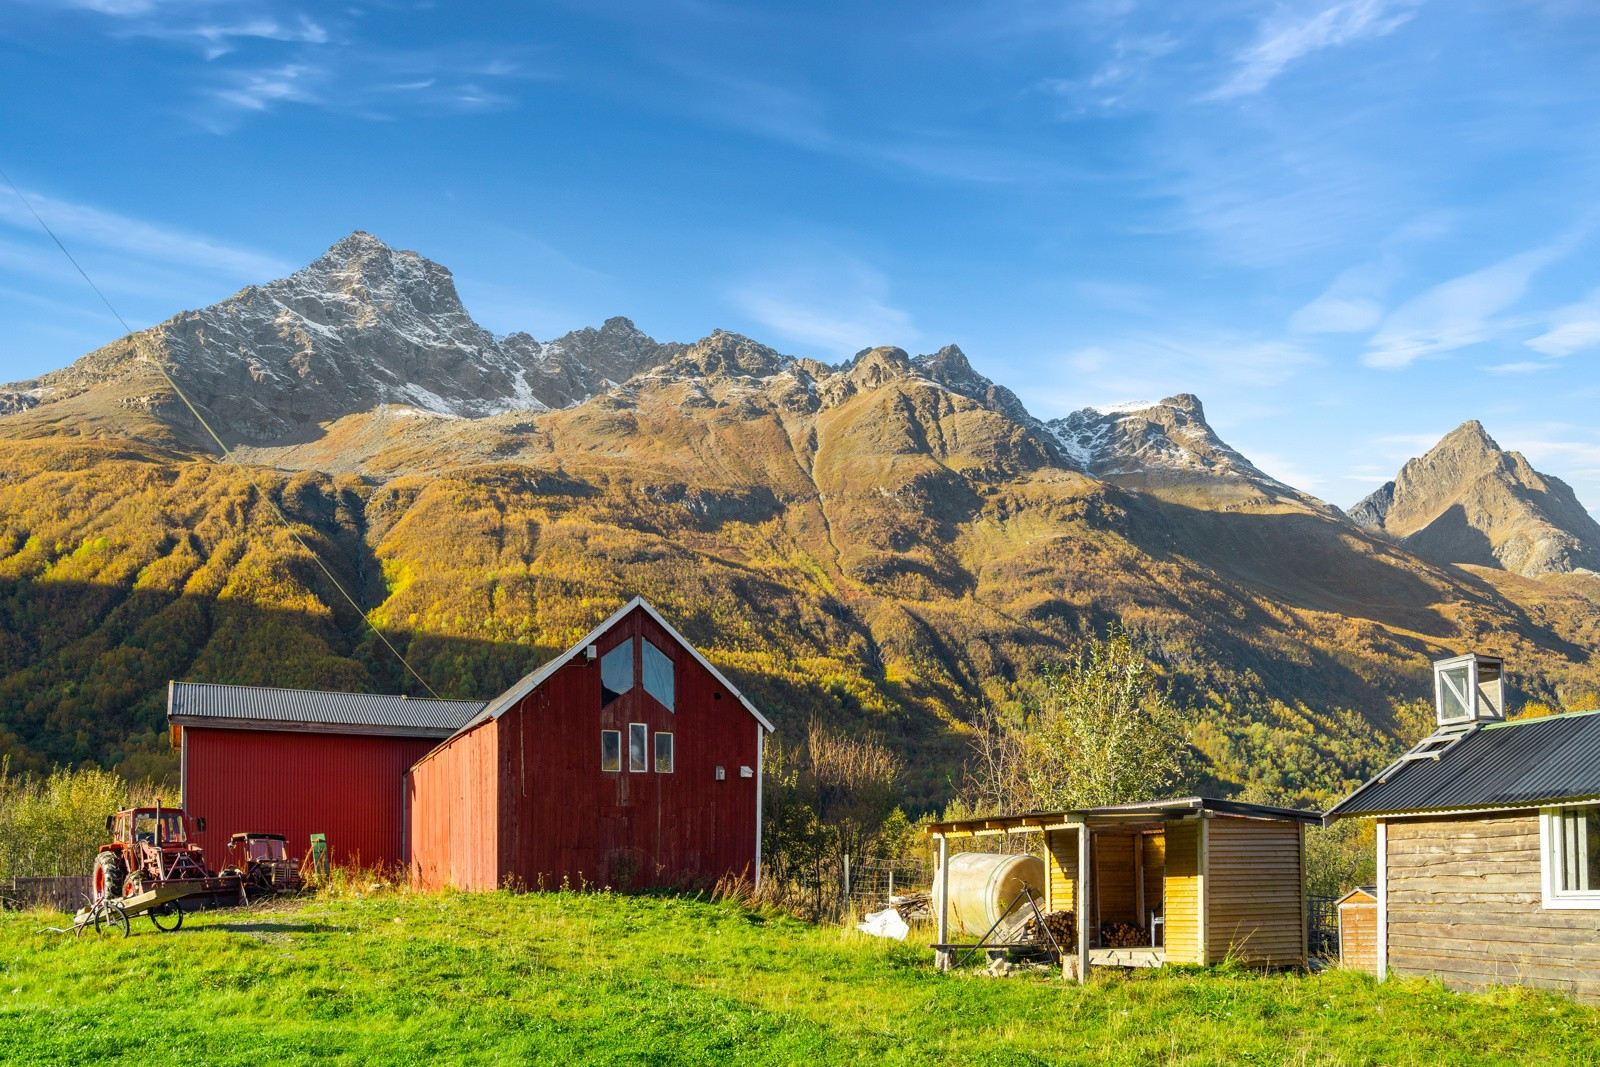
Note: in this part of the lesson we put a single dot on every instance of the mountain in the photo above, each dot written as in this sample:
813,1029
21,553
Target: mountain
1469,501
888,544
363,326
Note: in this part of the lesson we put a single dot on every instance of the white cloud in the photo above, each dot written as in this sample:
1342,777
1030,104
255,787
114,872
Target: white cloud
1354,302
80,223
1572,329
1525,366
829,300
1458,312
1289,38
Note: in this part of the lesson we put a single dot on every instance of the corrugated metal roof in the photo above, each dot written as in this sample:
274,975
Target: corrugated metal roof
1509,764
257,707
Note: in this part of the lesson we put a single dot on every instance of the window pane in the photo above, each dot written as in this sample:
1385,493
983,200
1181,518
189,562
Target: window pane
616,672
1453,692
638,738
611,750
658,676
663,753
1580,848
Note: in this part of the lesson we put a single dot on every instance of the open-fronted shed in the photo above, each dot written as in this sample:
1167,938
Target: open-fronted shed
1187,880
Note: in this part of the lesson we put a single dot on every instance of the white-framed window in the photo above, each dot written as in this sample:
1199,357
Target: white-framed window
616,672
663,752
638,747
1569,840
611,750
658,679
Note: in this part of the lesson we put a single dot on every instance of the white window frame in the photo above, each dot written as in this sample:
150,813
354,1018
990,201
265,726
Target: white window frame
655,752
644,728
1551,856
618,768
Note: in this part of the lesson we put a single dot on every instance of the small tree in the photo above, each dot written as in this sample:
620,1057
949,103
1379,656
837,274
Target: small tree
1104,731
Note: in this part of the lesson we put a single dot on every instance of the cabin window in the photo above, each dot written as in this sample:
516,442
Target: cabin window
1571,838
638,743
616,672
611,750
663,753
658,676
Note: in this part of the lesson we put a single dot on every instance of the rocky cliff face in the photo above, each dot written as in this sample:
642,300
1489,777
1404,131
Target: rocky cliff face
363,326
1469,501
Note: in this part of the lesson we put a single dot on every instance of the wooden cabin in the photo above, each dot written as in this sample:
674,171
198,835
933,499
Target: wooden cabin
1202,879
1488,837
1358,929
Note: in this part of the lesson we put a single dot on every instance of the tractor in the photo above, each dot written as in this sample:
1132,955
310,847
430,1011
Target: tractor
263,864
150,851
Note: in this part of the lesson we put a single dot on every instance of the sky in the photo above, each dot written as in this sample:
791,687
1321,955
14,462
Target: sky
1346,225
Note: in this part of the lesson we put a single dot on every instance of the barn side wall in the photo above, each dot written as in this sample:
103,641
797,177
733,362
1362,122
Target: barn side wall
1465,905
564,820
452,813
347,786
1255,892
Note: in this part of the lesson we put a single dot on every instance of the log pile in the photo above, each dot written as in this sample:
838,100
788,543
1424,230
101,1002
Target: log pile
913,907
1059,923
1122,935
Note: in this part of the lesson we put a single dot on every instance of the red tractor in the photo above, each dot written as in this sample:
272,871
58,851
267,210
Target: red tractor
263,864
150,851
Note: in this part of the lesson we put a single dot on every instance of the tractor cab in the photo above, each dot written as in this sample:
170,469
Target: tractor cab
148,826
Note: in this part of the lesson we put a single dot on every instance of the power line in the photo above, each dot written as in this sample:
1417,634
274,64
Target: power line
227,454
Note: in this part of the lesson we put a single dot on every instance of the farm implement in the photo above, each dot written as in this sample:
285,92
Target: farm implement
149,866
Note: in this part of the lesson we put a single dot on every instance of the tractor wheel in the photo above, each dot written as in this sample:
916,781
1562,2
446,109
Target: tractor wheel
110,920
106,882
168,917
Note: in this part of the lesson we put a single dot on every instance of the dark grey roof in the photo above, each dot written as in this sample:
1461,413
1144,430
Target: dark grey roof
259,708
1184,805
1505,764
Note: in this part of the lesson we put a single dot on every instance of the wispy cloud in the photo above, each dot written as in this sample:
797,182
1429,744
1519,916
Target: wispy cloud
829,300
1459,312
218,38
79,224
1292,36
1354,302
1572,329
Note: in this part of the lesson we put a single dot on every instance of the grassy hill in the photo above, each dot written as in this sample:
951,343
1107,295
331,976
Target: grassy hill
567,978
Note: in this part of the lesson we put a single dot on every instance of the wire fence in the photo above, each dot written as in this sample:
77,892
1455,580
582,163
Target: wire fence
1322,927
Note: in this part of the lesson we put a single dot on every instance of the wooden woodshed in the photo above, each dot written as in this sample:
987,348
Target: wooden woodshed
1488,836
1196,879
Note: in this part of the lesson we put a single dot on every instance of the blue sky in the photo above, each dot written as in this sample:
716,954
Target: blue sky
1347,225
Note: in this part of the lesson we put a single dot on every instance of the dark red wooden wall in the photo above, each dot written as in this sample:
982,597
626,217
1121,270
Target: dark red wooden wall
347,786
561,819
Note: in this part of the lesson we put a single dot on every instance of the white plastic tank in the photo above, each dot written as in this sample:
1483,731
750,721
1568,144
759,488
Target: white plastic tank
983,885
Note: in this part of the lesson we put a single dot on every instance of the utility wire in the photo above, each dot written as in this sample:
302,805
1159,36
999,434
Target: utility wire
227,454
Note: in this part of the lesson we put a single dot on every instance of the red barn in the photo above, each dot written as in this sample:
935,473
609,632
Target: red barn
299,763
627,761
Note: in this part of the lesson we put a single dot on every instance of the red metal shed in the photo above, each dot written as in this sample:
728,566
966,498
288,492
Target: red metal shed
627,761
299,762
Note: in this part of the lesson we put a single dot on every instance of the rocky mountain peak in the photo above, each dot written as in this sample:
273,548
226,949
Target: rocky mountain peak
1467,500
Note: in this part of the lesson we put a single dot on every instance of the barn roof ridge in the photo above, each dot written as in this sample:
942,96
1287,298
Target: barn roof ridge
230,706
535,678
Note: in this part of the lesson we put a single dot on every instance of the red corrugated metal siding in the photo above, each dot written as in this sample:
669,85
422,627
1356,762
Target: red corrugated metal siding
452,813
562,817
347,786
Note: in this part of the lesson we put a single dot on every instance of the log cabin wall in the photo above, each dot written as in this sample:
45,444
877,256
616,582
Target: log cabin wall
1255,892
1183,892
1464,904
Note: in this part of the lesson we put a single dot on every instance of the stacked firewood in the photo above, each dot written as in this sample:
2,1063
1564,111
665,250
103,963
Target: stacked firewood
1122,935
1059,923
913,907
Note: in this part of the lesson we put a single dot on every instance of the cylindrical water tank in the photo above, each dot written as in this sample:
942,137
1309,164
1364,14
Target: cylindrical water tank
983,885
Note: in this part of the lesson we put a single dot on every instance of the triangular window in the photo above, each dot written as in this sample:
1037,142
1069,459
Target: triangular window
616,672
658,676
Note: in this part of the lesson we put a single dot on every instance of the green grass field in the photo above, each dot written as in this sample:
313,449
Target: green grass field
566,978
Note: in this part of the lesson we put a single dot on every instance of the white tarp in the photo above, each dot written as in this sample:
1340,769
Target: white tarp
885,923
